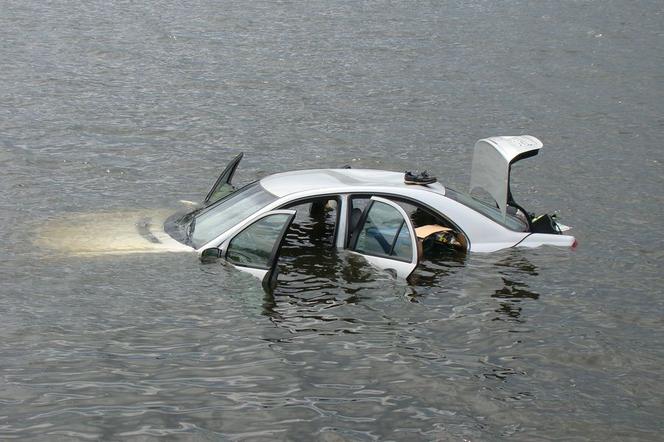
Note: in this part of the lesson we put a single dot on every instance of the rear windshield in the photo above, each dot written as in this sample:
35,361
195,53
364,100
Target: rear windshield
228,212
491,212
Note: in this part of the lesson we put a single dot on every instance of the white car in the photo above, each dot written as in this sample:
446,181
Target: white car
373,213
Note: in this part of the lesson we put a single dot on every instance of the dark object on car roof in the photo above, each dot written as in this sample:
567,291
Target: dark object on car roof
418,178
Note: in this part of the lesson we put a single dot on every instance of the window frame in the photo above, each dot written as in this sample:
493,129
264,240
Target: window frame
356,236
309,199
396,199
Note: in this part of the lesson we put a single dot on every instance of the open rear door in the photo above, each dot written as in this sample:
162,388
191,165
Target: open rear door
386,237
256,248
223,186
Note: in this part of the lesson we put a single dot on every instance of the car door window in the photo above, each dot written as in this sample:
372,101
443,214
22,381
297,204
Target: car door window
255,245
385,233
403,246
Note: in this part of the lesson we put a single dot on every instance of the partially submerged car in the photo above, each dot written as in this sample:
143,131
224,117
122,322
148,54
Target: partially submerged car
380,215
392,224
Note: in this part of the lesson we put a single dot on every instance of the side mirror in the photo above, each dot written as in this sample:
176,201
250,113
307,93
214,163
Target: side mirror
211,254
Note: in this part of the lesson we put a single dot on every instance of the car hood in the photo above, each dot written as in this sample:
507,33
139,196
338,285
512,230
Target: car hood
492,161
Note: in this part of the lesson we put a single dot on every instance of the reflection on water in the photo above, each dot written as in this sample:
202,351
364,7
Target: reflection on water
316,278
515,291
348,352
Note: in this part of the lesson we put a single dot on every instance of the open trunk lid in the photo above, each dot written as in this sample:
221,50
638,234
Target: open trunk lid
492,162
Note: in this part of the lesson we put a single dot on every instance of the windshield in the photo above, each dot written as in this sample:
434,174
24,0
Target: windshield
218,218
492,212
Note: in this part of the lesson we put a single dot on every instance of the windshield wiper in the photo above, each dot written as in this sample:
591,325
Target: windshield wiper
190,230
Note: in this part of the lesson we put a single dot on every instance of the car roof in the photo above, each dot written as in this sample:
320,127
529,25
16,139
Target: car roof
340,180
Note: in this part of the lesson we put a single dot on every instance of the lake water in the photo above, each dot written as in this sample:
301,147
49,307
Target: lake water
122,106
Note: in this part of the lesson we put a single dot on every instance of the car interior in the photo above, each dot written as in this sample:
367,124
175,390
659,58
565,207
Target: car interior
383,236
313,229
380,232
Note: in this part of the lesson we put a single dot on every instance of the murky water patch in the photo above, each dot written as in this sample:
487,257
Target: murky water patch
107,233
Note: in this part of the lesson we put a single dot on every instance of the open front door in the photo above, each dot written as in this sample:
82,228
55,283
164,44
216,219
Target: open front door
223,186
256,248
386,237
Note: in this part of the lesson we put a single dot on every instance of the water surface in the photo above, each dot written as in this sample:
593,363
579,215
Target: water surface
132,106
